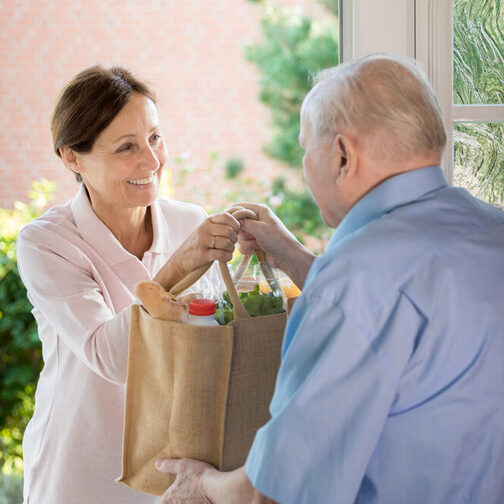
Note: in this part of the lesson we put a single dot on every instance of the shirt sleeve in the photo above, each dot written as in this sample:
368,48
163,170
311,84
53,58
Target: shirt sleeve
61,286
337,382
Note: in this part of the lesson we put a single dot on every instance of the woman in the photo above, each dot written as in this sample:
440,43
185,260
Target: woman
80,263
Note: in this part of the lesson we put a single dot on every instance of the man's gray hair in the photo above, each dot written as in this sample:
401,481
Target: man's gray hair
384,98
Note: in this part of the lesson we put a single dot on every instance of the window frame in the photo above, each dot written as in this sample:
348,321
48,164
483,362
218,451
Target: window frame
430,26
345,19
434,50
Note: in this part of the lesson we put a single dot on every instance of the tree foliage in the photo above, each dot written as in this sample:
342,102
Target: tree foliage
293,49
21,355
478,78
478,51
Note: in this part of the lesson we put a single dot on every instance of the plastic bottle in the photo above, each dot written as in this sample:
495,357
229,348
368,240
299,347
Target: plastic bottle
201,312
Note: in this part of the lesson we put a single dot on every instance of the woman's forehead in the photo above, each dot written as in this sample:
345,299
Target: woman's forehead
138,115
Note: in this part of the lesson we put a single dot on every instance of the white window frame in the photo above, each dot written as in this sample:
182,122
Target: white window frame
434,50
422,29
345,18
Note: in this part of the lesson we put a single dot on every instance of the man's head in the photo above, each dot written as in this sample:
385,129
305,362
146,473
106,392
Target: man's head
365,121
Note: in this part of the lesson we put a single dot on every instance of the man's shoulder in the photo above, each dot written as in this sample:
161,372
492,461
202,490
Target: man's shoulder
375,263
435,225
367,270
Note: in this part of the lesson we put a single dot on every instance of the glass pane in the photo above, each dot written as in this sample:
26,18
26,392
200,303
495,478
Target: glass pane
479,159
478,51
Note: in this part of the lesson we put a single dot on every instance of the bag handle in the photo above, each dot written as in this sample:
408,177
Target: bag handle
240,312
240,212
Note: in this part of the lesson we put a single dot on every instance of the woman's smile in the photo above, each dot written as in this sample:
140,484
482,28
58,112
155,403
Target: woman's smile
143,181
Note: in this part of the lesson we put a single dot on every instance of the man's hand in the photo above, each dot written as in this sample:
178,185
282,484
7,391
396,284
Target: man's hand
200,483
189,487
283,250
267,232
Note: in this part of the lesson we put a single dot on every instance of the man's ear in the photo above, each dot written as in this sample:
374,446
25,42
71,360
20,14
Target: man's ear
344,154
70,159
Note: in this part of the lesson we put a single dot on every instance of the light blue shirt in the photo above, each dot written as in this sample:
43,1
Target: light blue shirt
391,388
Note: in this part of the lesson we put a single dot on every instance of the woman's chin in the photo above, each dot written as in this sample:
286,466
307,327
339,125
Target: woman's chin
145,194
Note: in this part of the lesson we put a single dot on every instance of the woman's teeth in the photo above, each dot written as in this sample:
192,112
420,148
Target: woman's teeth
140,181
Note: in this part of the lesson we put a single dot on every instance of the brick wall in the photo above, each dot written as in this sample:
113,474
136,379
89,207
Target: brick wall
191,51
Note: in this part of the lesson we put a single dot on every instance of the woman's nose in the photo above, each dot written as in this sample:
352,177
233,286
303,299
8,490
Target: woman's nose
150,158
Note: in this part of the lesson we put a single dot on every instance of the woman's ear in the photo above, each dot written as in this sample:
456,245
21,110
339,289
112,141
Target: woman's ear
345,156
70,159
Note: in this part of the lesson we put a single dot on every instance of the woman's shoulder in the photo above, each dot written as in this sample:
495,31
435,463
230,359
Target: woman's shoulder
55,225
58,219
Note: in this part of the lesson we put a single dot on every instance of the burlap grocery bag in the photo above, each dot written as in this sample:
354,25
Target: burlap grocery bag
196,391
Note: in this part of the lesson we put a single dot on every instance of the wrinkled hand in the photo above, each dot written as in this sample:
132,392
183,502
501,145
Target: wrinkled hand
213,240
283,250
268,233
200,483
189,487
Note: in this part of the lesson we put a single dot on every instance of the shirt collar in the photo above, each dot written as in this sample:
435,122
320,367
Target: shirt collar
161,240
99,236
390,194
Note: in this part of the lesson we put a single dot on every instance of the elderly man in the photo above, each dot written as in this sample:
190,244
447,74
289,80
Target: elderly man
391,388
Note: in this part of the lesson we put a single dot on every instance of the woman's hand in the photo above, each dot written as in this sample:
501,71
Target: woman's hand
213,240
283,250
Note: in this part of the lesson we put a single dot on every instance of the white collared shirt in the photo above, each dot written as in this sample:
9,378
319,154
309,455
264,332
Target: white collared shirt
80,281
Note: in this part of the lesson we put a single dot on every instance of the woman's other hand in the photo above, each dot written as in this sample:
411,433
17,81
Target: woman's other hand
213,240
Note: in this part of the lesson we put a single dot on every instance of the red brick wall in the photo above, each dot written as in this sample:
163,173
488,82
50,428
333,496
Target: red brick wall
191,51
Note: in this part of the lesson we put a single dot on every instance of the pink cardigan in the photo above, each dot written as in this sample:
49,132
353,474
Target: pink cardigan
80,281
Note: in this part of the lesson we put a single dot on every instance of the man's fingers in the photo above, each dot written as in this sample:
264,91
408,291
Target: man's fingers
185,465
251,227
244,236
257,208
226,219
250,206
248,247
171,466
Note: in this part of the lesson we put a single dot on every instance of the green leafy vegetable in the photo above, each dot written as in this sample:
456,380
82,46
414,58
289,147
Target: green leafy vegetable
256,303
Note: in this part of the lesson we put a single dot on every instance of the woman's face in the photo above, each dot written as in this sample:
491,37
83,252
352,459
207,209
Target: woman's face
123,170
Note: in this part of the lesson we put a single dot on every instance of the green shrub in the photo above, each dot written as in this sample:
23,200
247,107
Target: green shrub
233,167
293,49
298,211
20,356
11,489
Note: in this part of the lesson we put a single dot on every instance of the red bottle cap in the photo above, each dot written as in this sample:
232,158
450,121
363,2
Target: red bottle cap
202,307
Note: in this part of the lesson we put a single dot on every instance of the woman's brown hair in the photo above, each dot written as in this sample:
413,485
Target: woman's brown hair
89,103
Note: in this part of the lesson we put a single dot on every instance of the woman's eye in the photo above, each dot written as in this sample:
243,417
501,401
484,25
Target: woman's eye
125,148
156,137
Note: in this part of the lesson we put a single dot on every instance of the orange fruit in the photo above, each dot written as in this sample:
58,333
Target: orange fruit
290,288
